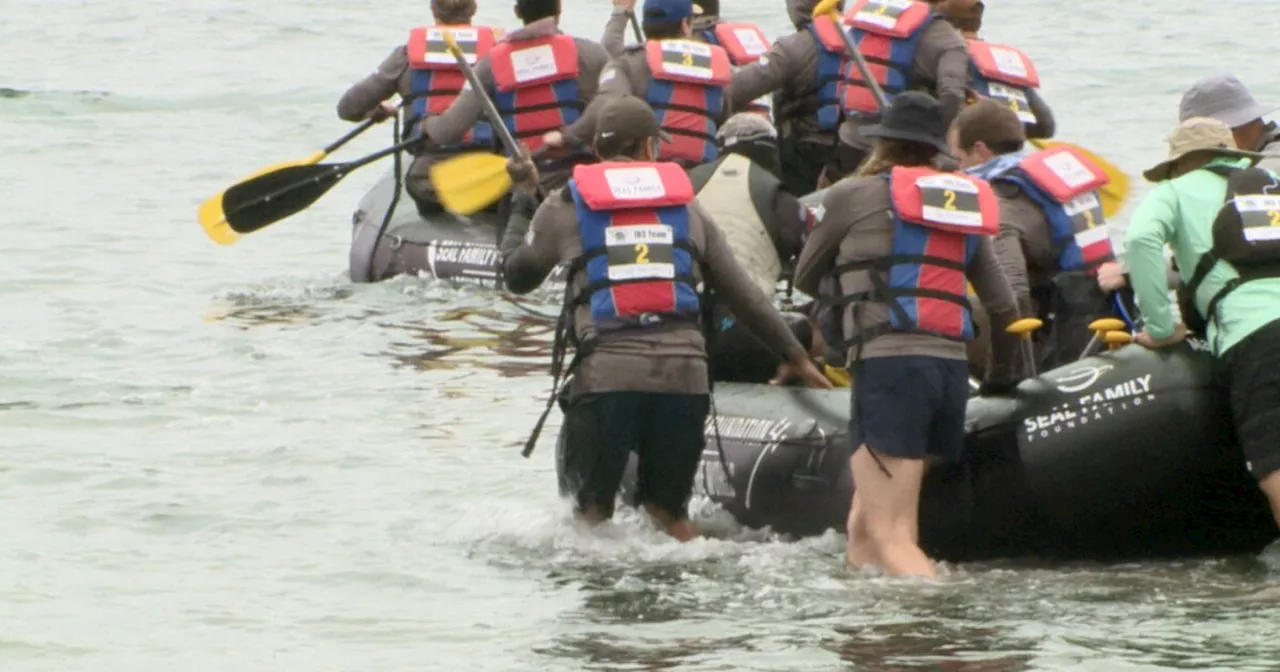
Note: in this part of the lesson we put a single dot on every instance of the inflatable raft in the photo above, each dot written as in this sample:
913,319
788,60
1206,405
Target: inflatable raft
1126,455
445,247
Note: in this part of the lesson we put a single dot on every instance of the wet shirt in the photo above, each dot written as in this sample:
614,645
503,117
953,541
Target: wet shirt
790,70
858,225
1180,213
453,125
671,358
626,75
942,61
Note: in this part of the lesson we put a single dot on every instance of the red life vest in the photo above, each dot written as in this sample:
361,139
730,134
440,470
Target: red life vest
633,223
832,70
1005,74
687,93
1074,210
744,42
939,219
435,79
887,33
536,84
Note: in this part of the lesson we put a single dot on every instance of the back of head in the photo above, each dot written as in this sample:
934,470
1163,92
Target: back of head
535,10
665,19
627,128
453,12
706,7
752,136
801,11
991,123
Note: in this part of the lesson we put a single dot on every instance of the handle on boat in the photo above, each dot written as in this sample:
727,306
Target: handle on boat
1099,327
1024,328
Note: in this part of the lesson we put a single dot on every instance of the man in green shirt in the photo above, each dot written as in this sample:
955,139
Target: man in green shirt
1244,327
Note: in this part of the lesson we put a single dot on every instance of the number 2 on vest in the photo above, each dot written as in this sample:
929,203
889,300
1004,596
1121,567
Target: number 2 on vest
950,203
687,59
1275,217
642,250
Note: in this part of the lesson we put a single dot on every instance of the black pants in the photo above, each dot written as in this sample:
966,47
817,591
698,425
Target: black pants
739,357
1253,374
802,164
664,430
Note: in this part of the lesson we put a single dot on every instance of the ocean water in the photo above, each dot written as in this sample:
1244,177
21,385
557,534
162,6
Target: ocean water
234,459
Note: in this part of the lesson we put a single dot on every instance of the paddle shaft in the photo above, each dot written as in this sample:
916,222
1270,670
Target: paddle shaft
364,126
863,68
490,110
635,26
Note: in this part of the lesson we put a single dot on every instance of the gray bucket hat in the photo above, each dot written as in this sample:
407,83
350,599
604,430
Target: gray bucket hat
1222,97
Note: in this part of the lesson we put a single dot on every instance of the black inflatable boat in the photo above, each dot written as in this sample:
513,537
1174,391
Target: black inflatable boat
445,247
1126,455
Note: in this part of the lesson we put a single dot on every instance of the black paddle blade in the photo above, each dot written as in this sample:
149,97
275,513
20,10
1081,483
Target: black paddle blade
267,199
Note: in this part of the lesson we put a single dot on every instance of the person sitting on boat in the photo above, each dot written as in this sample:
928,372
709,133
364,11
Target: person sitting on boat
803,72
1003,73
745,43
911,47
1229,262
637,244
1053,234
683,80
900,292
428,80
1225,98
764,230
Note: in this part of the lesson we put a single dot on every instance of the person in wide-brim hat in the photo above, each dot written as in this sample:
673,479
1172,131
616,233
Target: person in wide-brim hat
1192,143
913,116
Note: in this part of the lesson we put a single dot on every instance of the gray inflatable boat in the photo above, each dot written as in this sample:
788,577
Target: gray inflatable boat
445,247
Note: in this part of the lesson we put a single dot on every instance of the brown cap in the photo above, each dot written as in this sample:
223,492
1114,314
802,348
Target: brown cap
627,120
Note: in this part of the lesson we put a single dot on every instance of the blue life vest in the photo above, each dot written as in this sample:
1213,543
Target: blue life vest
536,86
687,94
938,219
831,71
633,221
888,34
1064,183
435,80
1003,74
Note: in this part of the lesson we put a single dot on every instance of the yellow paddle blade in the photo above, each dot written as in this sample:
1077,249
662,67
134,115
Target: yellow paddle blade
469,183
214,220
1115,192
839,377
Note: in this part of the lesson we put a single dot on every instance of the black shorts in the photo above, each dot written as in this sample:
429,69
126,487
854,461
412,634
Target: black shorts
910,406
1253,370
664,430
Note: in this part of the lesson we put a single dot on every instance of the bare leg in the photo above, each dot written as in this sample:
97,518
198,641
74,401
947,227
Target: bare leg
884,520
1271,488
681,528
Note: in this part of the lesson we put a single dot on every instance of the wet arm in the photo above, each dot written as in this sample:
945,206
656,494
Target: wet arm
766,75
467,109
1045,125
1150,229
998,299
528,260
614,39
369,92
1009,250
943,58
819,254
744,299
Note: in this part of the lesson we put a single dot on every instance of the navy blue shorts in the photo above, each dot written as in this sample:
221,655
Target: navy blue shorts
910,406
665,431
1253,369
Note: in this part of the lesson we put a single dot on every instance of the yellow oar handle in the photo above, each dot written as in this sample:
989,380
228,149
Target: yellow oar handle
827,7
1106,324
839,377
1116,339
1024,327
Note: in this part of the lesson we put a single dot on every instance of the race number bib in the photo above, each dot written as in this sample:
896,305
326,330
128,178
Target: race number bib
883,13
687,58
640,252
438,52
1085,212
1259,217
949,200
1015,99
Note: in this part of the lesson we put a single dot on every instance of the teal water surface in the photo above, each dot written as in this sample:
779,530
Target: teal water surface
234,459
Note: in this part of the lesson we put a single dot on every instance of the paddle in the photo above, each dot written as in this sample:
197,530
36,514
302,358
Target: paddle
269,198
1114,192
469,183
635,26
212,213
828,8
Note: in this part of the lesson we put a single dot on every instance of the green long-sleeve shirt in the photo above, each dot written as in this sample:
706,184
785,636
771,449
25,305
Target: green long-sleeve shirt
1180,213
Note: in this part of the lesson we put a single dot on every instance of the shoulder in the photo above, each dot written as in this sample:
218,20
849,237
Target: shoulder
588,47
944,36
